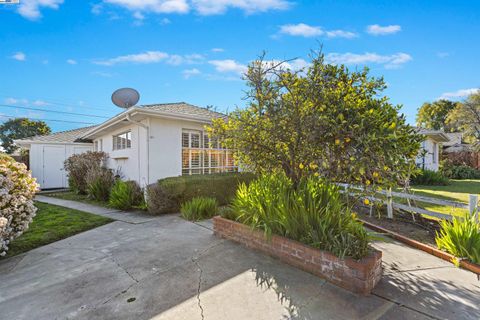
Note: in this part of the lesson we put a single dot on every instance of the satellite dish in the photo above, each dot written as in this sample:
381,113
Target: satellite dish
125,97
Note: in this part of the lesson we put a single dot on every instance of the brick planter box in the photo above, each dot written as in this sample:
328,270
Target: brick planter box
358,276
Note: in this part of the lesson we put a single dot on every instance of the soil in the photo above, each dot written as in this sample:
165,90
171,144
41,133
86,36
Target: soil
422,230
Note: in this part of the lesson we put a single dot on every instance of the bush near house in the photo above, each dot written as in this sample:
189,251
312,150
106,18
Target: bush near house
17,189
312,212
460,172
429,178
167,195
199,208
77,167
99,181
125,195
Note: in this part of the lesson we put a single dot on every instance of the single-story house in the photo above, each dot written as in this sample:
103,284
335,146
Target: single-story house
428,157
144,143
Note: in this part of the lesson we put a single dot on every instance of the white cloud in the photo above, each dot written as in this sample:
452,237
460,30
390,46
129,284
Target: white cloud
165,21
228,65
40,103
154,6
442,55
102,74
19,56
138,16
188,73
212,7
301,29
389,61
140,58
378,30
462,93
202,7
30,9
341,34
153,57
218,50
305,30
71,61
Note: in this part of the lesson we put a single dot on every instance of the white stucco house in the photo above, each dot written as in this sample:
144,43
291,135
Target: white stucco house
428,156
144,143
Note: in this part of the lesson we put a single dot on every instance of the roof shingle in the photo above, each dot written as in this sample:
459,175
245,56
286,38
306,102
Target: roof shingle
68,136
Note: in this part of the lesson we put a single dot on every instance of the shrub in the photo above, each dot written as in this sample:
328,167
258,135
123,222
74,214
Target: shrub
168,194
461,172
430,178
199,208
77,167
99,183
5,156
312,213
460,237
17,189
125,195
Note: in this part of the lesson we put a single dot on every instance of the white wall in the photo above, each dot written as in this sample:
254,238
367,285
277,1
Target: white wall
166,147
162,159
431,159
131,163
40,169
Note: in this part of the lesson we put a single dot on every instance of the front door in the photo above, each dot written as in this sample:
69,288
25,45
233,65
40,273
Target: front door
53,173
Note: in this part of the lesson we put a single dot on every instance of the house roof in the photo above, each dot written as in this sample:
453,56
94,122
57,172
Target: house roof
183,108
177,110
69,136
435,135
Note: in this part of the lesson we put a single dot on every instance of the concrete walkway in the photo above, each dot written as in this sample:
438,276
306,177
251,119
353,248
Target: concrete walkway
168,268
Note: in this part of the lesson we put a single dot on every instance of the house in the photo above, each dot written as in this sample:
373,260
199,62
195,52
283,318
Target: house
428,157
144,144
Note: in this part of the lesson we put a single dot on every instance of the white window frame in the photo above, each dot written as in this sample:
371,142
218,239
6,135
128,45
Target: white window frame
207,151
126,143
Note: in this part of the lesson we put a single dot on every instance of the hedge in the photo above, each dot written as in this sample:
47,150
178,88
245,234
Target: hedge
167,195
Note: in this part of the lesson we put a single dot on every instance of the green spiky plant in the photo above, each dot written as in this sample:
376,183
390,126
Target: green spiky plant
460,237
199,208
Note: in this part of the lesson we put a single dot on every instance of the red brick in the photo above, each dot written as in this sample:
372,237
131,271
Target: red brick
359,276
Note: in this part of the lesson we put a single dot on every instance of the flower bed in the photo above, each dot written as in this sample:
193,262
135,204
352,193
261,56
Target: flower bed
358,276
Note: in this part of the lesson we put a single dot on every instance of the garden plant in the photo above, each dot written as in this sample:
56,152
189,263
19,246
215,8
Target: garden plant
17,189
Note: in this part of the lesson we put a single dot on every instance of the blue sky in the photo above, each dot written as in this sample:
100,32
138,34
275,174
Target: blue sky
69,56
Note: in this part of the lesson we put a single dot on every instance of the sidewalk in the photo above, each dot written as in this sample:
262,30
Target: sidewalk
144,267
125,216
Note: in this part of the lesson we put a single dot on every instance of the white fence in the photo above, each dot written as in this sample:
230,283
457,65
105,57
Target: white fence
388,201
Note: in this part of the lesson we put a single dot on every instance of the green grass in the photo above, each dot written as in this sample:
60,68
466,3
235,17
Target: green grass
53,223
70,195
458,191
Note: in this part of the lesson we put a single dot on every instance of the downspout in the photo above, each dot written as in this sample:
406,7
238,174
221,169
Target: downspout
148,145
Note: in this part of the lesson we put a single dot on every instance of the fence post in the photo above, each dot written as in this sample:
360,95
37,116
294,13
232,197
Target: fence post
389,204
473,204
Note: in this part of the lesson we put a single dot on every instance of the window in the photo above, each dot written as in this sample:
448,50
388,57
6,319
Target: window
98,145
200,155
122,141
435,152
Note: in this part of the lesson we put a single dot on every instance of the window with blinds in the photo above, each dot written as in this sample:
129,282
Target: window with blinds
122,141
200,155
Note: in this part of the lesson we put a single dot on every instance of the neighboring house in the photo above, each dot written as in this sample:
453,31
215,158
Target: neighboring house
144,143
428,157
456,143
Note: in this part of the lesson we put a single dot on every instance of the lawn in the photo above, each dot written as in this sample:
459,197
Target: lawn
458,190
70,195
53,223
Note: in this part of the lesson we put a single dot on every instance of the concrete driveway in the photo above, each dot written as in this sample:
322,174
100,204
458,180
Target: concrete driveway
168,268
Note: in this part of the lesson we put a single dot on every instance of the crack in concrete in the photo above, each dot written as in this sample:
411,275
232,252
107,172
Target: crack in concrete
199,287
124,269
405,306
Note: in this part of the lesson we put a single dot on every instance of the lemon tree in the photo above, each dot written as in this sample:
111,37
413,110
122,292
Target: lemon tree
323,120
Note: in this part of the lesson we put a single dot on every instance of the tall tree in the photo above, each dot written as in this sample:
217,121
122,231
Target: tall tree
466,117
20,128
322,120
434,115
